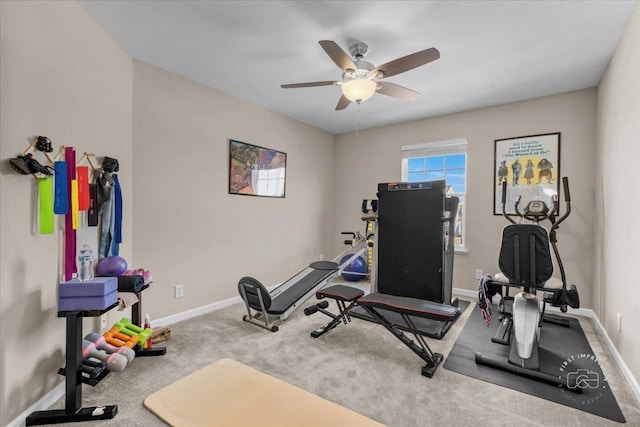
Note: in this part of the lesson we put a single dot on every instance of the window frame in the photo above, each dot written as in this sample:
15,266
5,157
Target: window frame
442,148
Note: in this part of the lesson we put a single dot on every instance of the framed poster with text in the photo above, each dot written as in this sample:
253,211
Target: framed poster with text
530,165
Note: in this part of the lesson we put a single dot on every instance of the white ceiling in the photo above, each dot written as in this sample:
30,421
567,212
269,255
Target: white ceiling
491,52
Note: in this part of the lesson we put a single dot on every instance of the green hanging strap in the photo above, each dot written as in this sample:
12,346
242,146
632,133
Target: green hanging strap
45,192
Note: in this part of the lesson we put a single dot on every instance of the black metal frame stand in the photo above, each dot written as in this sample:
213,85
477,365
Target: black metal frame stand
73,410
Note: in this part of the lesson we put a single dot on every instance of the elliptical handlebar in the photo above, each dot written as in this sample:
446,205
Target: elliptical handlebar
565,186
551,216
504,203
516,206
567,200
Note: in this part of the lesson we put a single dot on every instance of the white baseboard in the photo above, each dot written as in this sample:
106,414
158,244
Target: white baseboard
199,311
633,382
195,312
465,293
46,401
586,312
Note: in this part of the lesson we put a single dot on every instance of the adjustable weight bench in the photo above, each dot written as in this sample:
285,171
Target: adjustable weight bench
267,309
277,306
404,306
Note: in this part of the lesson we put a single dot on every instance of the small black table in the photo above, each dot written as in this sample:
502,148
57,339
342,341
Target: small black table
73,410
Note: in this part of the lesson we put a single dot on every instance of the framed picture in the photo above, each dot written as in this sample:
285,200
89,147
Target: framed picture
530,165
256,171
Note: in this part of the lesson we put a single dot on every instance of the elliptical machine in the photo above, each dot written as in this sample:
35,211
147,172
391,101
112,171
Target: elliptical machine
525,262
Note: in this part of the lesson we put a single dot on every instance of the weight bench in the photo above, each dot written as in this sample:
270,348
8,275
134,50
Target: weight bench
274,307
277,306
404,306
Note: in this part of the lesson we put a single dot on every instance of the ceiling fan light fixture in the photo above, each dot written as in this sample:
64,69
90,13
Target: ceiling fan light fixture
358,90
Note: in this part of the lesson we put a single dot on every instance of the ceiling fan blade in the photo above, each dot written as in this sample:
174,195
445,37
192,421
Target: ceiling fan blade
397,91
338,55
310,84
408,62
343,103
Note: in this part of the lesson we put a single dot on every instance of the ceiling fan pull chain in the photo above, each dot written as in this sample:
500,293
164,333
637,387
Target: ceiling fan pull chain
357,117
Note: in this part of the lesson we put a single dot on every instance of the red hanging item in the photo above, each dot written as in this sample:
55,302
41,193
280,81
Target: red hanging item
83,188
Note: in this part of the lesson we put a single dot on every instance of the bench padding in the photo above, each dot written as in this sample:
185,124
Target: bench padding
411,306
340,292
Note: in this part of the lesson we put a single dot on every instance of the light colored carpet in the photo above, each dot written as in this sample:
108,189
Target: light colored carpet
360,366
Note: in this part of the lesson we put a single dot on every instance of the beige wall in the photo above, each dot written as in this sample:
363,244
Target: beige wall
374,156
189,230
61,76
617,190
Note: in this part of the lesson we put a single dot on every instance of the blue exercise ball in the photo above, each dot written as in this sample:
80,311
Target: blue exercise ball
111,266
358,265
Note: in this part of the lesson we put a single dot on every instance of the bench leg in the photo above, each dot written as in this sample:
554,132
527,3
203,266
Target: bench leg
255,318
343,317
421,349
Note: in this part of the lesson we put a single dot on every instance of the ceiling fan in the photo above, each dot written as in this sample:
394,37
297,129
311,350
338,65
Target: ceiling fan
361,79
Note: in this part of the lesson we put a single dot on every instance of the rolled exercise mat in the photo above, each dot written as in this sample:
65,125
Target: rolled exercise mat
45,194
83,187
74,204
61,196
92,212
131,283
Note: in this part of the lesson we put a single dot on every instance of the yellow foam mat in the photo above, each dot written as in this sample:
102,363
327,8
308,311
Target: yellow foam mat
228,393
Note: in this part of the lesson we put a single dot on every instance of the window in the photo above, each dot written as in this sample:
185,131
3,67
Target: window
268,181
441,160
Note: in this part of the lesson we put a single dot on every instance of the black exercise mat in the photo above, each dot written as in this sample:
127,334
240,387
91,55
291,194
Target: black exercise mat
427,327
563,351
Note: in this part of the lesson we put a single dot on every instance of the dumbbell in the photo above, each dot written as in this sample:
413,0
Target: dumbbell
93,368
102,344
114,337
126,327
115,362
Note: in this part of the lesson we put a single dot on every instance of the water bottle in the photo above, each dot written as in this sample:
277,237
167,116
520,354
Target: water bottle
85,269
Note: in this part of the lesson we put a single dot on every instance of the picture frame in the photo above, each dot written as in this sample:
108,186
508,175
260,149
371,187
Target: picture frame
531,167
256,170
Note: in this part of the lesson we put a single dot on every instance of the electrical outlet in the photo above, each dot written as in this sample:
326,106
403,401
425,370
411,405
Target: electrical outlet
178,291
619,322
479,274
103,322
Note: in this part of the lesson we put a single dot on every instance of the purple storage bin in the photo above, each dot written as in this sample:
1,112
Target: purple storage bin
95,294
87,303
